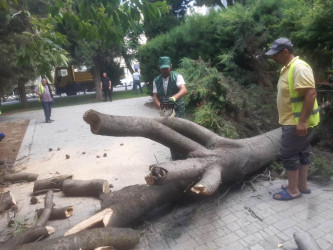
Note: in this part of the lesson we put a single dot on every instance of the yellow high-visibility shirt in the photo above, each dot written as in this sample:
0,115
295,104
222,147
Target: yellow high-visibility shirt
303,78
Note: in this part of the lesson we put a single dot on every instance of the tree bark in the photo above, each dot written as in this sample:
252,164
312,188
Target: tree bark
119,238
211,159
58,213
85,187
54,183
97,76
131,203
30,235
7,200
48,205
20,177
22,93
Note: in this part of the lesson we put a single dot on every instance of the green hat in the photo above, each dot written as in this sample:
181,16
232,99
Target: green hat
164,62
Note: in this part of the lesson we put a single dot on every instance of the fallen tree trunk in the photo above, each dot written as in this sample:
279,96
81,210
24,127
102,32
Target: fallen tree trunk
20,177
85,187
54,183
100,219
7,200
38,231
211,159
58,213
119,238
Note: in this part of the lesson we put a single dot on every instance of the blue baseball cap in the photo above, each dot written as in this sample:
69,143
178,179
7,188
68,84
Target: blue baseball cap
278,45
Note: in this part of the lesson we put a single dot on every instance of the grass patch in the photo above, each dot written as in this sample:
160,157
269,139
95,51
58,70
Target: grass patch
73,100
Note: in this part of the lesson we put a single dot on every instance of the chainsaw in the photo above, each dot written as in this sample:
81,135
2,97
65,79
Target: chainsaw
168,108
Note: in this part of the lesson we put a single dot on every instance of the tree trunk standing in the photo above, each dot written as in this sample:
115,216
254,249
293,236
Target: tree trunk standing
22,93
127,60
97,76
211,159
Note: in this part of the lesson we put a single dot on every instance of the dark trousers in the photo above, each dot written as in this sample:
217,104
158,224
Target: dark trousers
135,86
107,92
47,110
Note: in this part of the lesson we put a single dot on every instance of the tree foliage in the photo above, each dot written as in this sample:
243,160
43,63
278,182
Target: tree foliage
29,44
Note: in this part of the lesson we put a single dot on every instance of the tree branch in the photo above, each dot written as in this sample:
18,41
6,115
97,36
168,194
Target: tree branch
102,124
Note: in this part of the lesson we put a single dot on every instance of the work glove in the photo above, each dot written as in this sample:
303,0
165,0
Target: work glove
172,99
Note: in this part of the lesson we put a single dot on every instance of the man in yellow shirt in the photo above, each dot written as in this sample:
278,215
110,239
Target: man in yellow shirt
298,113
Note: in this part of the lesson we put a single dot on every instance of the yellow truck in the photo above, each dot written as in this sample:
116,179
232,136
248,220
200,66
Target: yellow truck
67,80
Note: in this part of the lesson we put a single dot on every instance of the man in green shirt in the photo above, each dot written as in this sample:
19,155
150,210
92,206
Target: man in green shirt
169,85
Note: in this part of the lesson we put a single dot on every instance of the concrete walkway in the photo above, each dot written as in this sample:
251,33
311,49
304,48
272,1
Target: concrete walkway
227,222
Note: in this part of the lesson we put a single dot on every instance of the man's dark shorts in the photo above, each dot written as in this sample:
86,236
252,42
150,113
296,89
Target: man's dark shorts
295,151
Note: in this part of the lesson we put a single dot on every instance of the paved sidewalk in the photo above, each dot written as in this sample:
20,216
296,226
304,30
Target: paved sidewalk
226,223
205,223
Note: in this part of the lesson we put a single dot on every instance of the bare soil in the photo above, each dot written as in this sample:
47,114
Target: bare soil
10,145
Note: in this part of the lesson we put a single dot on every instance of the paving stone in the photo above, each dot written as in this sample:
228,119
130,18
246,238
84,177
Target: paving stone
257,247
284,224
326,226
233,226
233,246
316,233
206,228
227,239
230,218
241,233
329,238
324,245
251,239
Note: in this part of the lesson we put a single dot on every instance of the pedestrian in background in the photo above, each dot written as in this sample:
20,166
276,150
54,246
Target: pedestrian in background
136,81
298,114
46,98
106,87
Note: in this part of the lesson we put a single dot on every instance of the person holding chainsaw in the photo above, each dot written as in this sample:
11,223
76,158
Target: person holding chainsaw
169,89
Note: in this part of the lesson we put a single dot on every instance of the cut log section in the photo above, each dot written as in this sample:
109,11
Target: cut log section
119,238
58,213
54,183
48,205
101,218
30,235
7,200
20,177
85,187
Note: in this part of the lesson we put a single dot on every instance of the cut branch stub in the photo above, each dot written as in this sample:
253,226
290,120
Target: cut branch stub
167,172
54,183
85,187
58,213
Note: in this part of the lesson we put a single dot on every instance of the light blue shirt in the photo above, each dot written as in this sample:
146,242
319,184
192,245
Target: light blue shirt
136,76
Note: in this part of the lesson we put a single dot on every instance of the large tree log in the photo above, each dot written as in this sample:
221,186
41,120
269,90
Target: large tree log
210,158
58,213
54,183
20,177
119,238
85,187
7,200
